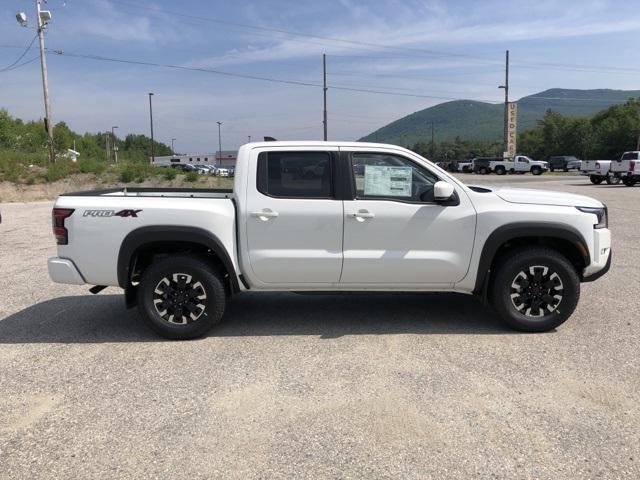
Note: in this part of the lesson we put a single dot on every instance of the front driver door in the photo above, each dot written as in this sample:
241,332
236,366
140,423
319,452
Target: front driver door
394,231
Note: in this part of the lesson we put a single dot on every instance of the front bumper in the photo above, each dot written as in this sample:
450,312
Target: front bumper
601,256
63,270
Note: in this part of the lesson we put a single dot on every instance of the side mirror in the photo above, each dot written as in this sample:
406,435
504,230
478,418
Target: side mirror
443,191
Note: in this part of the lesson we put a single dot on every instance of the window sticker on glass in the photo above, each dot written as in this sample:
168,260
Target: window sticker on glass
387,181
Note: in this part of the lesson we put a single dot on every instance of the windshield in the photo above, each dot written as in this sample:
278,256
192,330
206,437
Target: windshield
630,156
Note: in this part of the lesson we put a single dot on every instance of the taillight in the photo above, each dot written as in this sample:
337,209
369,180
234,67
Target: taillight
58,217
632,165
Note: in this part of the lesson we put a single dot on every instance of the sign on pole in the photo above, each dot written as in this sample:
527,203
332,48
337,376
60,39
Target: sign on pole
512,125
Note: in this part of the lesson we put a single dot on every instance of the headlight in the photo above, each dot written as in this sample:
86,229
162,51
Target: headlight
600,213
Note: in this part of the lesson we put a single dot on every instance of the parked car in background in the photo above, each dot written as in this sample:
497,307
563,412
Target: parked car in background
465,166
627,168
564,163
482,165
598,171
202,170
185,167
222,172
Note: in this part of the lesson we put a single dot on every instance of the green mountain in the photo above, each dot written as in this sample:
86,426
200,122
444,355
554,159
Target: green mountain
471,120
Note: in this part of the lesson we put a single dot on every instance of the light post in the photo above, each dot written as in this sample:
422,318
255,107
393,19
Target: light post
173,152
43,18
219,144
115,144
153,156
249,137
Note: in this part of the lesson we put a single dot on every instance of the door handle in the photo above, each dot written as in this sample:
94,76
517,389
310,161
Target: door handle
362,215
265,214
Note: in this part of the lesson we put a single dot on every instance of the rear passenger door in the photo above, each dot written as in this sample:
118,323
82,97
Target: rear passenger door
294,221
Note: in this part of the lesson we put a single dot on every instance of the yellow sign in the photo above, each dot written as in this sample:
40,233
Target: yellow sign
512,125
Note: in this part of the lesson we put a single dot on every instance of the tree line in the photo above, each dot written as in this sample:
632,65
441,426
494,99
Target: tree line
29,140
605,135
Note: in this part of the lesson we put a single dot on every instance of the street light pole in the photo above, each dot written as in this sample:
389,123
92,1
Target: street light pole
153,156
173,152
45,81
219,145
115,144
324,95
249,137
506,102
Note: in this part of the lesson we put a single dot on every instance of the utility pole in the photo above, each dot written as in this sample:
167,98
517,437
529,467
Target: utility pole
153,155
506,102
106,145
249,138
432,141
43,16
173,152
115,144
219,144
324,93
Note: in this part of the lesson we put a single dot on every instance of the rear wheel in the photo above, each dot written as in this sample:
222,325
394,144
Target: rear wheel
500,170
535,289
181,297
612,180
551,169
483,170
596,179
629,181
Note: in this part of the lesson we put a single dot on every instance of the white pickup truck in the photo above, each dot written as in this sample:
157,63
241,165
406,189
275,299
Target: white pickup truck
599,171
520,164
371,218
627,168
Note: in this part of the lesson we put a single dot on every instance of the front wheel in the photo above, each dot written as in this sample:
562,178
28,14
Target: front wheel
535,289
629,181
536,170
181,297
595,179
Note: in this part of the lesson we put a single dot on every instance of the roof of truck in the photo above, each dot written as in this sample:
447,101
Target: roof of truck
316,143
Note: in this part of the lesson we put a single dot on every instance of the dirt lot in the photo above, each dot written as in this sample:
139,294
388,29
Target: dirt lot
385,386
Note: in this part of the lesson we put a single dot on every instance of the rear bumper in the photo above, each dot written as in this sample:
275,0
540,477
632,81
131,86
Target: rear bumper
601,257
63,270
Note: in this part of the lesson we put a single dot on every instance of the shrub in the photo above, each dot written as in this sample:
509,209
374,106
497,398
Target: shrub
91,166
170,173
191,177
57,171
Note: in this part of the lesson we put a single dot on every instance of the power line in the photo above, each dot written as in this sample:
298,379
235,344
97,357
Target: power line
28,47
251,77
15,67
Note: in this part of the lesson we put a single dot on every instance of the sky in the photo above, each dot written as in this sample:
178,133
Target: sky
418,53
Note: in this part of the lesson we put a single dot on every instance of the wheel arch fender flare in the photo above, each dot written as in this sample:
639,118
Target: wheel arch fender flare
513,231
138,238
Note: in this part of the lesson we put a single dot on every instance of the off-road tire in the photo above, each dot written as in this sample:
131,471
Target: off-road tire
525,287
596,179
190,287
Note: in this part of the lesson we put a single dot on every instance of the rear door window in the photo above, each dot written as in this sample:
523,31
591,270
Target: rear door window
295,174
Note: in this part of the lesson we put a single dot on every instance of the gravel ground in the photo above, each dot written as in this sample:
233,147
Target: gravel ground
289,386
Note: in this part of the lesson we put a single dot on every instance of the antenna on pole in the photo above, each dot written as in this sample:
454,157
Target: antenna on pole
324,93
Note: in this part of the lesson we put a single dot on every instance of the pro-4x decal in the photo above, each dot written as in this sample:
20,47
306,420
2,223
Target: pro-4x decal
128,212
